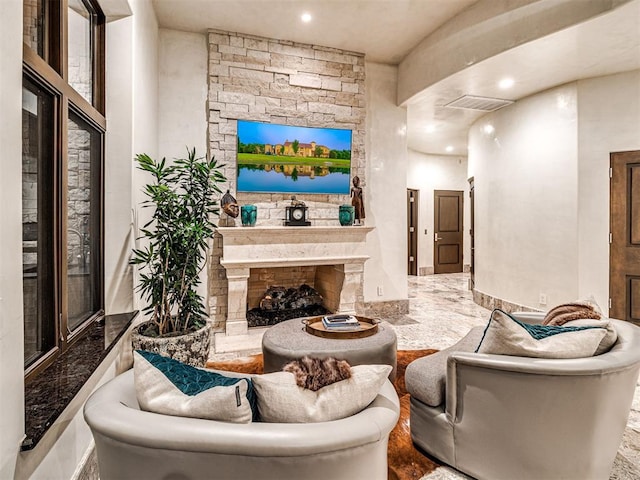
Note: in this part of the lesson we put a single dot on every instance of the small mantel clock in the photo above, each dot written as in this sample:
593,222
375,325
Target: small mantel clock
296,216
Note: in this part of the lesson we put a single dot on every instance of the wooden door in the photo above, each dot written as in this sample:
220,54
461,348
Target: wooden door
447,245
412,233
472,270
624,251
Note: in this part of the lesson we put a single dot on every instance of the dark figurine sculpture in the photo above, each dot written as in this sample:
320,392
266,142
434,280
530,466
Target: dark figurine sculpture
357,201
295,202
229,205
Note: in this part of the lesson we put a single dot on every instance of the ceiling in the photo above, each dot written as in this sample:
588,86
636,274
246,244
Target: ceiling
387,30
384,30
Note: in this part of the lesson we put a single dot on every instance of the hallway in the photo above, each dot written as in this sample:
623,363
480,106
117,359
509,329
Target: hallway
441,312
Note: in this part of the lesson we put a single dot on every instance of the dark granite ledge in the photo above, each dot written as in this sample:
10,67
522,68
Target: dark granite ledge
52,390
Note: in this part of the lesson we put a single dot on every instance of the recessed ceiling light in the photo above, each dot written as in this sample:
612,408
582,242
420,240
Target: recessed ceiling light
306,17
506,83
430,128
449,148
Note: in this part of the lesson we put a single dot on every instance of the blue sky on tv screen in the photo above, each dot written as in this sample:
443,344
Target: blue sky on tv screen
270,133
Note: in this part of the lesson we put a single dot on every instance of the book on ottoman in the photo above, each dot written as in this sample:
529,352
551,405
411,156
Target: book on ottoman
340,322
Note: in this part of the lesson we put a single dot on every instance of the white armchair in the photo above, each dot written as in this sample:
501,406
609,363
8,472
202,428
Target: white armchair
507,417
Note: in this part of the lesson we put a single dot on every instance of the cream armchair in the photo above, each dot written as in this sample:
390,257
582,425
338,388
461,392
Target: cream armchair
133,444
507,417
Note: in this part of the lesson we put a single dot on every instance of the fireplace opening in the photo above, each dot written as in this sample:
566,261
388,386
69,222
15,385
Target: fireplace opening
276,294
281,303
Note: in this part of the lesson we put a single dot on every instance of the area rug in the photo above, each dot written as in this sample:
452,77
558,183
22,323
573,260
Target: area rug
404,460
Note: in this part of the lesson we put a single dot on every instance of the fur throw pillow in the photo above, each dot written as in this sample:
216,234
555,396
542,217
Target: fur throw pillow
315,373
567,312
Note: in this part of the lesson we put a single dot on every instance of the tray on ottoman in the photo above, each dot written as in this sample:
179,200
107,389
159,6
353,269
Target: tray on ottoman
365,328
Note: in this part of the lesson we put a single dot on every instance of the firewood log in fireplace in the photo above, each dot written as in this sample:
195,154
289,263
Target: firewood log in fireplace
282,298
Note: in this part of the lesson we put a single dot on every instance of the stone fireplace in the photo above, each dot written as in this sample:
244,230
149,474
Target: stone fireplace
282,82
328,258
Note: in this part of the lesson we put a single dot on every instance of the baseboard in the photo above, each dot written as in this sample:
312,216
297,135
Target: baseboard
423,271
385,308
490,302
88,467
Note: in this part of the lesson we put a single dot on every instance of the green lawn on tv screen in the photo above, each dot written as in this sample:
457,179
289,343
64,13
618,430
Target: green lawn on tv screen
262,159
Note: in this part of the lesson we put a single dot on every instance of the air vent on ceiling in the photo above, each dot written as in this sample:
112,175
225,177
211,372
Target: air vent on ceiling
486,104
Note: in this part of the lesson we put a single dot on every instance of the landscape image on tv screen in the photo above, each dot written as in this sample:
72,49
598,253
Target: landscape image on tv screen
287,159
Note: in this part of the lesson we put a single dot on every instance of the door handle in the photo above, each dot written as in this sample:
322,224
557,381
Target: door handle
436,238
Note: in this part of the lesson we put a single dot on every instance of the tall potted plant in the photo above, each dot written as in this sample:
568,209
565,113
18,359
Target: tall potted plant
174,254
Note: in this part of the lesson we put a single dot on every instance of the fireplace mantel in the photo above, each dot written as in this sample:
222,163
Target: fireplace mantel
271,246
244,248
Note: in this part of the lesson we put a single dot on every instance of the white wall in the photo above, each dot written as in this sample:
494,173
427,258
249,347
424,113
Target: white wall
427,173
608,121
182,88
542,189
385,192
182,106
119,234
526,199
145,106
11,330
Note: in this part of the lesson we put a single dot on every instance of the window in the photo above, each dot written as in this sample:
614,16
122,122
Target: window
83,220
37,221
63,129
79,60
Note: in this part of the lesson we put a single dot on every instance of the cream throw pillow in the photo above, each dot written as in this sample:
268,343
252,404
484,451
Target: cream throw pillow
505,335
610,337
280,399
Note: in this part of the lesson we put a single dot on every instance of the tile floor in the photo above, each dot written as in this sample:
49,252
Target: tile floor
441,312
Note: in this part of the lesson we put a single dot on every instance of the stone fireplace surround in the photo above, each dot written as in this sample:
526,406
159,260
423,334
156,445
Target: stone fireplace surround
283,82
331,260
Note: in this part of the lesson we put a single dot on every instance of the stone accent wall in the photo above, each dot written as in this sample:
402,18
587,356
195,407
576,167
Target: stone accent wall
31,18
79,193
277,81
218,289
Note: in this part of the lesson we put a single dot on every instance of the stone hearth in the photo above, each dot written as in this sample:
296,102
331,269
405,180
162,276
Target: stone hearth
331,258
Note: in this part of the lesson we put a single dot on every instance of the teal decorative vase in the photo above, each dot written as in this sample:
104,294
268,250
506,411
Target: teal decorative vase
346,215
249,215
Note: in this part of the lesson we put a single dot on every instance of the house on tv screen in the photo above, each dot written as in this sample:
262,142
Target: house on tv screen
304,150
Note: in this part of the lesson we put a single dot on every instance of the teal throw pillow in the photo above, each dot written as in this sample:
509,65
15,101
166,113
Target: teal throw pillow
167,386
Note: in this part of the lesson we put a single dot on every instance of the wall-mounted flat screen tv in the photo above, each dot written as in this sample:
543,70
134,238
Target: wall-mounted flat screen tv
287,159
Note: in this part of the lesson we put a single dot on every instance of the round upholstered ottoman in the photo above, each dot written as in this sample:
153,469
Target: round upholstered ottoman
289,340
